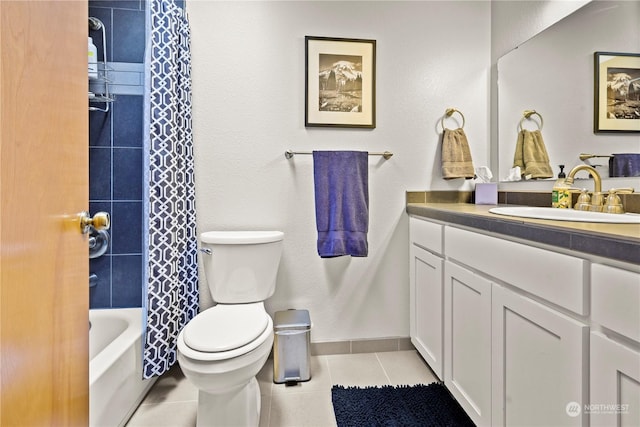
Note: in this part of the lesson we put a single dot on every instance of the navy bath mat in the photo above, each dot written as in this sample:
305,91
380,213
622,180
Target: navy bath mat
403,406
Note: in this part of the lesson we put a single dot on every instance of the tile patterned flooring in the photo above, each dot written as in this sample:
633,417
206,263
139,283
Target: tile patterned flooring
172,401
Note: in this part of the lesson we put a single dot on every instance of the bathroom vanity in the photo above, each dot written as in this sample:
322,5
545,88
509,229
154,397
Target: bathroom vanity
527,322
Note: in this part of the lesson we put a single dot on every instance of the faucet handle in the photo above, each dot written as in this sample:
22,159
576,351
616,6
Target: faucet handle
584,200
613,204
627,190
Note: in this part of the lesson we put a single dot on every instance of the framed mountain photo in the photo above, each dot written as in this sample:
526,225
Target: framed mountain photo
617,92
340,83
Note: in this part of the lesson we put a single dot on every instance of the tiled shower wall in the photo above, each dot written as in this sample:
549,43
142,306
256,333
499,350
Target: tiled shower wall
115,157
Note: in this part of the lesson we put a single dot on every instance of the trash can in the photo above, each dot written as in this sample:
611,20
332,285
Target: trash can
292,330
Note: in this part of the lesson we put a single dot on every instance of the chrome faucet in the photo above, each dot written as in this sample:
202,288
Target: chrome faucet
597,199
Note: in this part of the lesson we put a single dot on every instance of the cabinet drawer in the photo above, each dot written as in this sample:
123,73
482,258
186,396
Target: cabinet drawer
615,299
426,234
556,277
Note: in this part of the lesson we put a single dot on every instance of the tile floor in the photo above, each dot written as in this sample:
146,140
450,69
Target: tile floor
173,400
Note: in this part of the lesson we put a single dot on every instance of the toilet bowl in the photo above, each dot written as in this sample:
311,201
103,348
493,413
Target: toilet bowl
222,349
223,363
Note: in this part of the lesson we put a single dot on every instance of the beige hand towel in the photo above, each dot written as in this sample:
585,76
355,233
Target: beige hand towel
531,155
518,158
456,156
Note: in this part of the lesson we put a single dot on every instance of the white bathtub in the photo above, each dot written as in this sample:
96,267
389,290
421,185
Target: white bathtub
116,387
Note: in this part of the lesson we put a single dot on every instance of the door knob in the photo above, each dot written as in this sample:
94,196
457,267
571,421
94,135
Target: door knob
100,221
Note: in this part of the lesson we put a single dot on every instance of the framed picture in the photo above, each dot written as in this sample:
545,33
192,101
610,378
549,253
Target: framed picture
340,83
617,92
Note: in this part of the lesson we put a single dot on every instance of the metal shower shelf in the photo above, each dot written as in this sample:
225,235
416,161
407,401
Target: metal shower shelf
99,87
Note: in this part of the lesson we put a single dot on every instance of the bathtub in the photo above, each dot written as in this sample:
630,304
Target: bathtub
116,387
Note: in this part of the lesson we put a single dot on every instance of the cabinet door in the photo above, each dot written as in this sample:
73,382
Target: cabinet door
539,367
615,300
426,306
615,383
467,337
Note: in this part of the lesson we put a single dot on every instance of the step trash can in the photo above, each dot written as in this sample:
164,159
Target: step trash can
291,358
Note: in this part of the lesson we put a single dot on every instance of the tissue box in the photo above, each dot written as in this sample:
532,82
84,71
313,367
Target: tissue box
487,193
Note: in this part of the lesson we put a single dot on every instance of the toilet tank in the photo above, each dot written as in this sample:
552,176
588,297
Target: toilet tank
242,265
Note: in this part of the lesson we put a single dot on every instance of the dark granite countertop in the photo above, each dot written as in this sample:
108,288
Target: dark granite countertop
615,241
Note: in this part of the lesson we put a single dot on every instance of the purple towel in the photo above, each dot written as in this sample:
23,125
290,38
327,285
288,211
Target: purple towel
624,165
342,202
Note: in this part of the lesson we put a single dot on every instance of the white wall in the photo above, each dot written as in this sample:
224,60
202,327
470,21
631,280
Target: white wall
248,108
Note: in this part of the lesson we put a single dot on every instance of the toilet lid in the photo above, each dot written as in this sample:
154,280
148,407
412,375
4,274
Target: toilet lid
226,327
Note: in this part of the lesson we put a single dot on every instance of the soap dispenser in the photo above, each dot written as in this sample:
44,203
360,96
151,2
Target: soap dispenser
560,195
561,174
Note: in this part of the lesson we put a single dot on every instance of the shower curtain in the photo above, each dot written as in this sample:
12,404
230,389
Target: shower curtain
171,273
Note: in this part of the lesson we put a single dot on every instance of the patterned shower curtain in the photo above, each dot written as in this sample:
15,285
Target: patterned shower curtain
171,243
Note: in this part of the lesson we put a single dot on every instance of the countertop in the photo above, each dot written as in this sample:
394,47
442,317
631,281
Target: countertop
616,241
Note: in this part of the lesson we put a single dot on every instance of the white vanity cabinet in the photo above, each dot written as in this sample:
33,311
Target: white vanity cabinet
615,347
524,333
528,358
425,290
467,341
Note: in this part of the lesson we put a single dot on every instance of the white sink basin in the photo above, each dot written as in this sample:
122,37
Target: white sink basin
566,215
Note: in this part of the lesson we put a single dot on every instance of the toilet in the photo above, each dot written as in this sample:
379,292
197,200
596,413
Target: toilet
221,350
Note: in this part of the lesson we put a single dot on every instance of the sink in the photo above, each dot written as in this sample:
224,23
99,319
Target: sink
566,215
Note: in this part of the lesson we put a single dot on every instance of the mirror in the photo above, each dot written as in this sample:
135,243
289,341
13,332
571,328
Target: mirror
553,73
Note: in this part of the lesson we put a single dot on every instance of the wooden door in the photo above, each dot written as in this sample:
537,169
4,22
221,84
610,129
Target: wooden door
43,185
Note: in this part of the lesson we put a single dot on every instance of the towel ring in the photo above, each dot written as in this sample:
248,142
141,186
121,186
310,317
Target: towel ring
527,115
448,113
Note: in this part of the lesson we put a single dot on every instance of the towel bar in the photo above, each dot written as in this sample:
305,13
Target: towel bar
585,156
386,154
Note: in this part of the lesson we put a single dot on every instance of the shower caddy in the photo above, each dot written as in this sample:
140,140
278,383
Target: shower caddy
99,97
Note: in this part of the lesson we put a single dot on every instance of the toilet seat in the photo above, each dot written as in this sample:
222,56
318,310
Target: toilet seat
226,331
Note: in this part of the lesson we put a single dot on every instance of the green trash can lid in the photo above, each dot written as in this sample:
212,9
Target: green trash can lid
292,319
